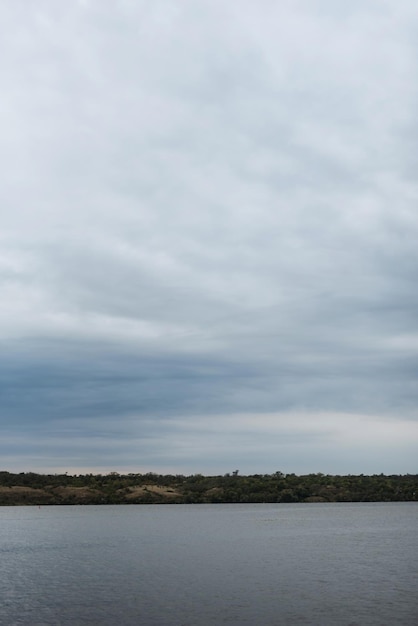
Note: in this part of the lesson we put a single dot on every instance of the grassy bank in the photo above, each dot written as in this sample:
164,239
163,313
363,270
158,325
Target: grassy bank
41,489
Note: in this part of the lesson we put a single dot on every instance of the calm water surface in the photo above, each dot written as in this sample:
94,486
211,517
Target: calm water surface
201,565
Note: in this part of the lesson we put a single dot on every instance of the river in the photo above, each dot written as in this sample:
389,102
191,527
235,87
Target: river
203,565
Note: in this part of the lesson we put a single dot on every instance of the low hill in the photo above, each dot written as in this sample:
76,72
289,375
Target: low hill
44,489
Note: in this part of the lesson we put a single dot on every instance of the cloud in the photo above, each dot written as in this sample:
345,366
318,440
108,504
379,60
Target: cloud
286,441
208,210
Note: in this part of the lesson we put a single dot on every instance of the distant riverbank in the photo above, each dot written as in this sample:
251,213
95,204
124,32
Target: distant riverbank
42,489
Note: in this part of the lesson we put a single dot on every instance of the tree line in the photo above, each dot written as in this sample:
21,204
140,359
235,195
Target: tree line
150,488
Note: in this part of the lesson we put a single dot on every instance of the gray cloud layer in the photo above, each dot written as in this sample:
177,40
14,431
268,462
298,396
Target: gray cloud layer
208,236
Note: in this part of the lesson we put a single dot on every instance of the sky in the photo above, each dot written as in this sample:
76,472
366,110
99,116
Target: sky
209,236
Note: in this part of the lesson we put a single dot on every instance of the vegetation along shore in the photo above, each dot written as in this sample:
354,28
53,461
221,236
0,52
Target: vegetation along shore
113,488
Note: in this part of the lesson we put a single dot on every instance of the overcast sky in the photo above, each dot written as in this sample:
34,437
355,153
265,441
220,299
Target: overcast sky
209,236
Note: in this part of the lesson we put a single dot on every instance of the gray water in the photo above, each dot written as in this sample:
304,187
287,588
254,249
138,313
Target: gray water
201,565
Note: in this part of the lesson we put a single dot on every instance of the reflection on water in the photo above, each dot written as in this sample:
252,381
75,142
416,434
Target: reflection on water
198,565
